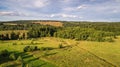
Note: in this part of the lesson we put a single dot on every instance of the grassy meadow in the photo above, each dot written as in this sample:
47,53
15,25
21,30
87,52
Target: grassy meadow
73,54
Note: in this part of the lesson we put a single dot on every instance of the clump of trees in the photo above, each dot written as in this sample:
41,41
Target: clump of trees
4,53
34,48
13,36
78,33
30,48
43,31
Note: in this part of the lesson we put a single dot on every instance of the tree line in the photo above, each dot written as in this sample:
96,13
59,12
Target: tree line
13,36
71,30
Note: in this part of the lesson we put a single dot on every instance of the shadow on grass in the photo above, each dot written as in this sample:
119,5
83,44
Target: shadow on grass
48,54
27,56
6,58
32,60
24,56
65,47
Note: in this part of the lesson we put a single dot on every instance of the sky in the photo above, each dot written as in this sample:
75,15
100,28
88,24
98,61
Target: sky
68,10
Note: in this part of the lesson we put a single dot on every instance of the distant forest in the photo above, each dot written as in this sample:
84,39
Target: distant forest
91,31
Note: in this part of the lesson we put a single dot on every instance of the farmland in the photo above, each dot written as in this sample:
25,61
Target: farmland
57,24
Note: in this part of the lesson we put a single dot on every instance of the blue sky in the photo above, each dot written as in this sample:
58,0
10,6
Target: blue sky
72,10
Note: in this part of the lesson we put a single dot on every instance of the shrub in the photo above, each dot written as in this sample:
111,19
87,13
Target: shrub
27,48
48,48
14,44
109,40
42,48
35,48
60,46
12,56
30,48
20,59
22,43
45,48
4,53
32,42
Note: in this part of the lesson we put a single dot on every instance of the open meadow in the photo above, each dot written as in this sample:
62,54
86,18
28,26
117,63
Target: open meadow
72,54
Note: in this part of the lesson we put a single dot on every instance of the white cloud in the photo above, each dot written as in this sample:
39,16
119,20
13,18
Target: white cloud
68,16
52,15
29,3
75,8
12,13
40,3
64,16
6,12
81,6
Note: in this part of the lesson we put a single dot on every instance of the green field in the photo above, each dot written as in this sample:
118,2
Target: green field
74,53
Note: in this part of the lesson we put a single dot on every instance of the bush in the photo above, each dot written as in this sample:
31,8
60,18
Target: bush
4,53
109,40
12,56
35,48
20,59
100,39
14,44
27,49
30,48
32,42
60,46
45,48
42,48
22,43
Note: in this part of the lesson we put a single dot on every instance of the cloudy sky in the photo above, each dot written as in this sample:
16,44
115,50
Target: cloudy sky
75,10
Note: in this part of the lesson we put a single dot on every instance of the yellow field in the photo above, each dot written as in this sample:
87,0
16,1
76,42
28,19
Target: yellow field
57,24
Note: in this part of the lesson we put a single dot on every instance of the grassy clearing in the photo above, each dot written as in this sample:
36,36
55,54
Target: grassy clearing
106,50
74,53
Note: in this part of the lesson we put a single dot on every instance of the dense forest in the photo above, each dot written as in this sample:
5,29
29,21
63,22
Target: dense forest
92,31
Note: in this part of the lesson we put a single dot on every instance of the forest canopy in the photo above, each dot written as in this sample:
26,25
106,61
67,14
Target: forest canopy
92,31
